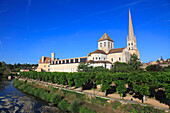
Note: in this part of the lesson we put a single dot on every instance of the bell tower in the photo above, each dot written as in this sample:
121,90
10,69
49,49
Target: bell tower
131,38
105,43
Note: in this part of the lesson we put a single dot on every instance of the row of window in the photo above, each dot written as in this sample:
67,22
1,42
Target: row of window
97,58
119,59
105,44
71,61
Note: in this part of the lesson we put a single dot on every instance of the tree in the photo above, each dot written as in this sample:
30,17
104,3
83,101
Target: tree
154,68
120,87
84,67
134,62
70,79
106,82
121,67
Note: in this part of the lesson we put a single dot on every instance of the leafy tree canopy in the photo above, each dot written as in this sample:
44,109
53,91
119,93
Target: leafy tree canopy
121,67
134,62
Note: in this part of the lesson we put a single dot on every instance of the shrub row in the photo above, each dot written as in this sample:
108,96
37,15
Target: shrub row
140,83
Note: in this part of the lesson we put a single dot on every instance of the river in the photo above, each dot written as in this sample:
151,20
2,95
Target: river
15,101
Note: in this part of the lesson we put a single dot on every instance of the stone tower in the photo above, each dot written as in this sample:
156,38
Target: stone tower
105,43
131,38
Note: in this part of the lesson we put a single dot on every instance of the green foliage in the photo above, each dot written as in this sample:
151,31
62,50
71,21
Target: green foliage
25,82
85,110
141,83
115,104
120,87
134,63
167,69
98,101
136,108
154,68
74,106
56,99
63,105
121,67
105,81
84,67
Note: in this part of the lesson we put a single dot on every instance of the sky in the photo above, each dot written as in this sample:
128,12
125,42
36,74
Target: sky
30,29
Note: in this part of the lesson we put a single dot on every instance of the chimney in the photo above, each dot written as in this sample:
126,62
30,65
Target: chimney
52,56
42,59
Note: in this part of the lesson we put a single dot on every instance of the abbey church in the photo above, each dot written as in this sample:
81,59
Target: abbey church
106,55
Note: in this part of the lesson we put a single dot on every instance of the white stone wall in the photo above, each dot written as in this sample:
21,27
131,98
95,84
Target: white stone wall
72,67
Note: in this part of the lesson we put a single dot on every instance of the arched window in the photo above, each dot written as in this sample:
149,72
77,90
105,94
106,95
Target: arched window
96,58
108,44
119,59
129,48
104,44
99,58
100,44
112,59
93,58
131,43
111,45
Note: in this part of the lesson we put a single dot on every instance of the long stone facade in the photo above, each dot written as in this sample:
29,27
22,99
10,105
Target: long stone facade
106,55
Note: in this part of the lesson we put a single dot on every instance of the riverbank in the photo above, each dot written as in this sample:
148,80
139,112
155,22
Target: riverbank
15,101
95,104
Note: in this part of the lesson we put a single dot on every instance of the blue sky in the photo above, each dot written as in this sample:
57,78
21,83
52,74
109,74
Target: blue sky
30,29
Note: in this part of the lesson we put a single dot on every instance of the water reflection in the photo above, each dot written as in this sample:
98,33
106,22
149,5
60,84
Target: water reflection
12,100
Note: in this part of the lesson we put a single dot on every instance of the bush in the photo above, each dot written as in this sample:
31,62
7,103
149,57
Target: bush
154,68
84,110
56,99
115,104
63,105
25,82
99,101
74,106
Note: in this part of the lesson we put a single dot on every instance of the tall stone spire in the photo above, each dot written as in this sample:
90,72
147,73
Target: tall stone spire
131,33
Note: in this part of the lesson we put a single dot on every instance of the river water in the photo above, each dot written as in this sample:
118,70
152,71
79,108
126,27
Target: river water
15,101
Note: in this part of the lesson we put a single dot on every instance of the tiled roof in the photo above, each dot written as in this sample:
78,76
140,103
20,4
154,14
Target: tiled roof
97,51
92,61
105,37
116,50
46,60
